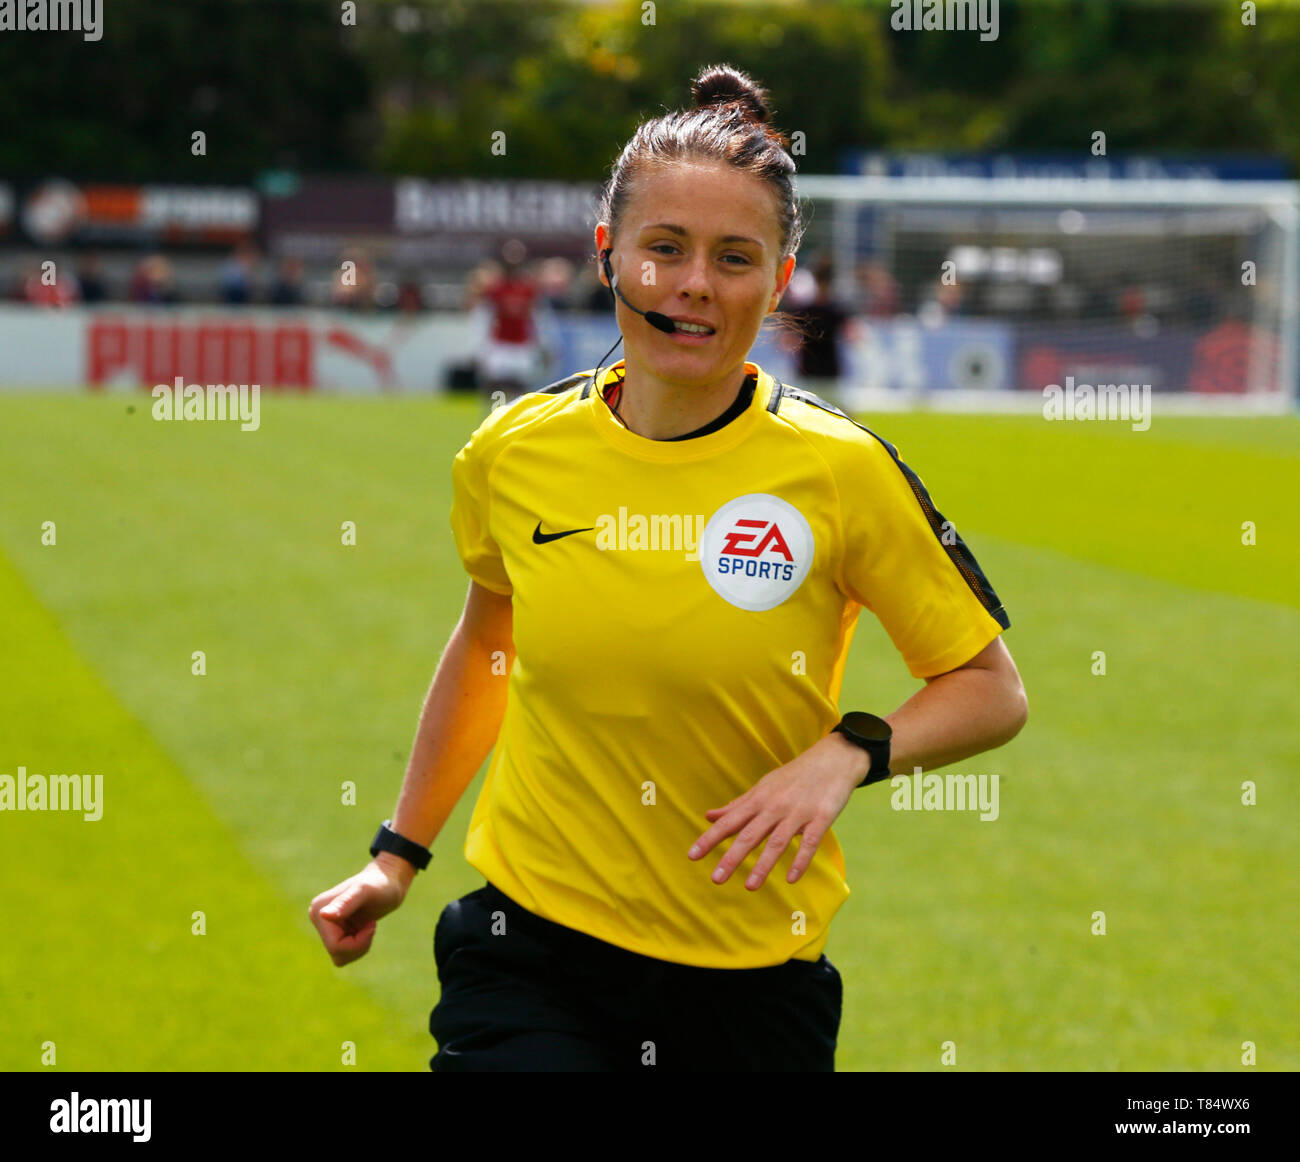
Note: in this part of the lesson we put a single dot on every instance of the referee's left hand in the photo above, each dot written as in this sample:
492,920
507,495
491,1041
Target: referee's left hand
804,797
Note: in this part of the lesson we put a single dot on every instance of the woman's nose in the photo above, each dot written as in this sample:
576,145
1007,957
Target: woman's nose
696,277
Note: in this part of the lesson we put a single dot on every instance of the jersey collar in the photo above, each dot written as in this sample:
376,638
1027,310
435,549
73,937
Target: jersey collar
675,451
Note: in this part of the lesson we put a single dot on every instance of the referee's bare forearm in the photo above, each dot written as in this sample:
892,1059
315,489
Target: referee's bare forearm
459,722
969,710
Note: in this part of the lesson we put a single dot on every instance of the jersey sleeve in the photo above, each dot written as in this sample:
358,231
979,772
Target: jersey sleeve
470,510
906,564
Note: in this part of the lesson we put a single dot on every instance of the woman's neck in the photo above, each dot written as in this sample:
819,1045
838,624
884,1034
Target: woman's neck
659,411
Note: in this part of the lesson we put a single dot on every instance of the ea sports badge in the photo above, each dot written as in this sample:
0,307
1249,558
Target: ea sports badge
756,550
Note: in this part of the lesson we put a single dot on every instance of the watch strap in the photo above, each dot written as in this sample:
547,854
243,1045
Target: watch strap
877,748
878,773
386,839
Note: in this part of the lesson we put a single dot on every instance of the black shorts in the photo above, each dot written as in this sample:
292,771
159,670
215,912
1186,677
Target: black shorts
541,996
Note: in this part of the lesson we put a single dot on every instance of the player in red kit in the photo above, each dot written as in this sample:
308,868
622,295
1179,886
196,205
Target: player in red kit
510,357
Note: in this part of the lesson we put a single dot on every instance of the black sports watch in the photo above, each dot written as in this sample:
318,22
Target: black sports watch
386,839
873,735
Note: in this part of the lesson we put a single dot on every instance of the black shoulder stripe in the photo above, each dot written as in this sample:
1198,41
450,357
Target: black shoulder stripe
958,552
778,389
784,391
953,545
562,385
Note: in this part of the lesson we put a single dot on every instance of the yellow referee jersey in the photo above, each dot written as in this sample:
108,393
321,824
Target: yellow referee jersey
682,614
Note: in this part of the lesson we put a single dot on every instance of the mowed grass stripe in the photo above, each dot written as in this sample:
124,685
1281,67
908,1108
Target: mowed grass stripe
100,958
200,537
1166,503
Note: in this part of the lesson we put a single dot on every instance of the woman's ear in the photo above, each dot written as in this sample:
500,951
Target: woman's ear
603,249
784,273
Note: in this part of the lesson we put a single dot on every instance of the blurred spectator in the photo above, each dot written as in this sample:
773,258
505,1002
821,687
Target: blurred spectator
590,294
354,285
943,301
409,295
53,288
1130,301
287,291
237,275
824,322
880,297
1137,303
1201,305
555,282
91,279
153,281
1096,304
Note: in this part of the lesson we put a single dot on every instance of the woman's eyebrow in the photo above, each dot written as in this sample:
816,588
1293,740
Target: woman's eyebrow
683,232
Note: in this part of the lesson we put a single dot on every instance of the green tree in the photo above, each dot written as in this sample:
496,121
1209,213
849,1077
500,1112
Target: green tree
275,83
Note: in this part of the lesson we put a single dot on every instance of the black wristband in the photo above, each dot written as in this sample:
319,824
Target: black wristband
878,773
873,735
386,839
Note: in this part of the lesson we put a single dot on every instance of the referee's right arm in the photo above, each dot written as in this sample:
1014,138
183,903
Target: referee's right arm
458,726
459,723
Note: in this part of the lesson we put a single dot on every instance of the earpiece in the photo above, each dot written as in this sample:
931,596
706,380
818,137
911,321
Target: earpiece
654,318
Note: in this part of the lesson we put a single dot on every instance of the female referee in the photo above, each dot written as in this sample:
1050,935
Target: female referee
668,558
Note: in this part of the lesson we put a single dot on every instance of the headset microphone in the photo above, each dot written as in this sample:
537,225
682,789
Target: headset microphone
654,318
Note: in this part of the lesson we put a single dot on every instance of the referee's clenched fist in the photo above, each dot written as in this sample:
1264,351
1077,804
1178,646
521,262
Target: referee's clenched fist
346,915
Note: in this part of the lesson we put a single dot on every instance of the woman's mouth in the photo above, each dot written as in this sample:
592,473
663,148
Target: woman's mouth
691,333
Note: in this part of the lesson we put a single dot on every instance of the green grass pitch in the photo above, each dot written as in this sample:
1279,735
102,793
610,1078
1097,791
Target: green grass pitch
222,793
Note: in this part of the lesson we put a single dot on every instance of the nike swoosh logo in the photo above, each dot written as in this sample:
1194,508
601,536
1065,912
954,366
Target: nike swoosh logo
541,538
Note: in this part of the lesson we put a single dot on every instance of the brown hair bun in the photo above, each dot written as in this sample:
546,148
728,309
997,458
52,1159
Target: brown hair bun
721,85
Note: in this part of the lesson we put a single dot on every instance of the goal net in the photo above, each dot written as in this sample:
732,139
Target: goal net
981,293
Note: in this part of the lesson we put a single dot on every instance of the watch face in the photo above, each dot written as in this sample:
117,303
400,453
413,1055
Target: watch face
867,726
